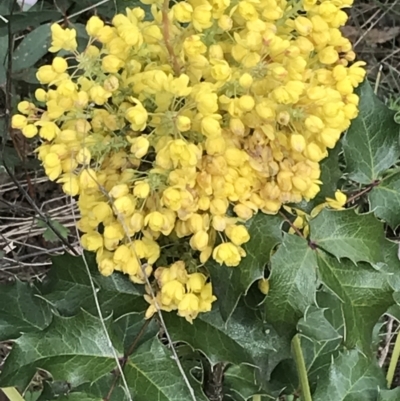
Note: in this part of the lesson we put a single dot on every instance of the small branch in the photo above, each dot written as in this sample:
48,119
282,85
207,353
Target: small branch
165,26
362,192
301,368
298,232
393,362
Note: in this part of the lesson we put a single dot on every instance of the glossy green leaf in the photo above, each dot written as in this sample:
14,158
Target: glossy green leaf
133,330
241,383
32,48
330,175
371,144
346,234
319,340
230,283
243,339
21,310
351,377
389,395
69,289
385,200
365,295
20,21
72,349
292,283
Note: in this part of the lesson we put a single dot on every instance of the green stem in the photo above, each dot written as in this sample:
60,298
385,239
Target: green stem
393,361
256,398
12,394
301,368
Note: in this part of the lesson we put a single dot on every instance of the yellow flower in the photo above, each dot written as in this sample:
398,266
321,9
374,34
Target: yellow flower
137,116
111,64
196,282
183,12
189,307
263,285
64,39
228,254
94,25
140,146
19,121
339,202
237,234
92,241
141,189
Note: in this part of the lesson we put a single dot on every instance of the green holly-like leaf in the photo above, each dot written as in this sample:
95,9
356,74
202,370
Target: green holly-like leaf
241,383
243,339
72,349
365,295
21,310
134,330
292,283
319,340
371,144
230,283
94,391
389,395
32,48
391,263
351,377
385,200
69,289
346,234
330,175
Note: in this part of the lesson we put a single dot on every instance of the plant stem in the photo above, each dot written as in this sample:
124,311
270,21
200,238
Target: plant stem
393,361
12,394
256,398
301,368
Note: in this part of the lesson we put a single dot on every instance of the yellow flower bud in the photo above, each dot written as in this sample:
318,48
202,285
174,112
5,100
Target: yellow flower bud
196,282
228,254
94,25
263,285
183,123
111,64
92,241
246,80
237,234
29,131
199,241
183,12
59,65
141,189
19,121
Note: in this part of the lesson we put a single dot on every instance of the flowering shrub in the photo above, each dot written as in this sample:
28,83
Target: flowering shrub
202,142
183,127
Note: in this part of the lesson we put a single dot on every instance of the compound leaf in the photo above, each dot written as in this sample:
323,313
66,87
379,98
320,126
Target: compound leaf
72,349
371,144
365,294
346,234
243,339
69,289
351,377
385,200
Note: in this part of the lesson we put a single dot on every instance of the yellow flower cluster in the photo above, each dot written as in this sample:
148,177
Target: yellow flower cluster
182,127
190,294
